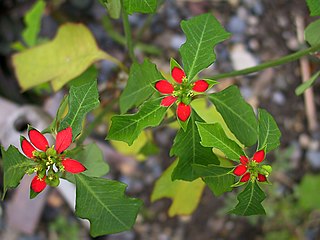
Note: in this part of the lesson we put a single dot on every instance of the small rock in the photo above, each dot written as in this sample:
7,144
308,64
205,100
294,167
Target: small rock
241,58
313,158
278,98
236,25
177,41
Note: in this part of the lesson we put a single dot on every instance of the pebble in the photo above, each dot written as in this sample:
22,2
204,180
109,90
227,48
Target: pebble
176,41
236,25
278,98
313,158
241,58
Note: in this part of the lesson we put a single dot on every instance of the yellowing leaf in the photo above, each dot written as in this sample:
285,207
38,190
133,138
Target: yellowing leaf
185,195
69,54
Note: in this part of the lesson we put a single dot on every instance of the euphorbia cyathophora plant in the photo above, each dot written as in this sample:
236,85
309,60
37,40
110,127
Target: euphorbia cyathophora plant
50,161
216,128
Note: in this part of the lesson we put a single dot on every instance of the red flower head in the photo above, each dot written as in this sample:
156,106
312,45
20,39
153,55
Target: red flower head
50,160
181,92
250,169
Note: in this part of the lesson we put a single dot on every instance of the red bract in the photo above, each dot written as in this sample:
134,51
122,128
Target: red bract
49,159
38,184
248,168
181,92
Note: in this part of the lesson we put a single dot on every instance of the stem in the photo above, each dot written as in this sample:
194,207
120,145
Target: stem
127,33
272,63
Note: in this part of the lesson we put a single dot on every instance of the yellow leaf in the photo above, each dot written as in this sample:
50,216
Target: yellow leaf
68,55
185,195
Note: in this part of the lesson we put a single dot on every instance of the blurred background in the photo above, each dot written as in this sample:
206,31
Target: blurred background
261,30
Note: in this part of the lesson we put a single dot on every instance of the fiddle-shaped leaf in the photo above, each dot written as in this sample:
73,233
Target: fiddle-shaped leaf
127,127
203,33
15,166
185,195
237,114
68,55
250,201
269,133
140,85
141,6
187,148
218,178
104,204
212,135
82,99
311,33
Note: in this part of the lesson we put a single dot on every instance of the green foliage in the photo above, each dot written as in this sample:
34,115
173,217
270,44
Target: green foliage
51,62
104,204
269,133
91,157
314,7
250,201
237,114
82,99
307,84
187,147
113,7
203,33
33,22
306,189
141,6
218,178
140,85
312,34
128,127
212,135
185,195
15,166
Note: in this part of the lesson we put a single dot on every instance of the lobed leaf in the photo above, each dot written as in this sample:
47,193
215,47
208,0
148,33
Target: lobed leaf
141,6
32,21
140,85
69,54
187,148
213,135
203,33
185,195
237,114
314,7
104,204
218,178
14,167
82,99
250,201
269,133
127,127
311,33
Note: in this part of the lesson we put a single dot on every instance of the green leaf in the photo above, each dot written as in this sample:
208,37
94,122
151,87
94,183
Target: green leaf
104,204
269,133
68,55
312,34
203,33
88,75
309,184
250,201
212,135
127,127
185,195
15,166
91,157
33,22
237,114
140,85
307,84
141,6
187,148
113,7
82,99
218,178
314,7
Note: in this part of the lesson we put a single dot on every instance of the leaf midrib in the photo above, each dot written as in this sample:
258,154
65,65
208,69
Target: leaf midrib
93,194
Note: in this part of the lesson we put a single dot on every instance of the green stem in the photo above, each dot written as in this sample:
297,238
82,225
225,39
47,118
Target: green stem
272,63
128,35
